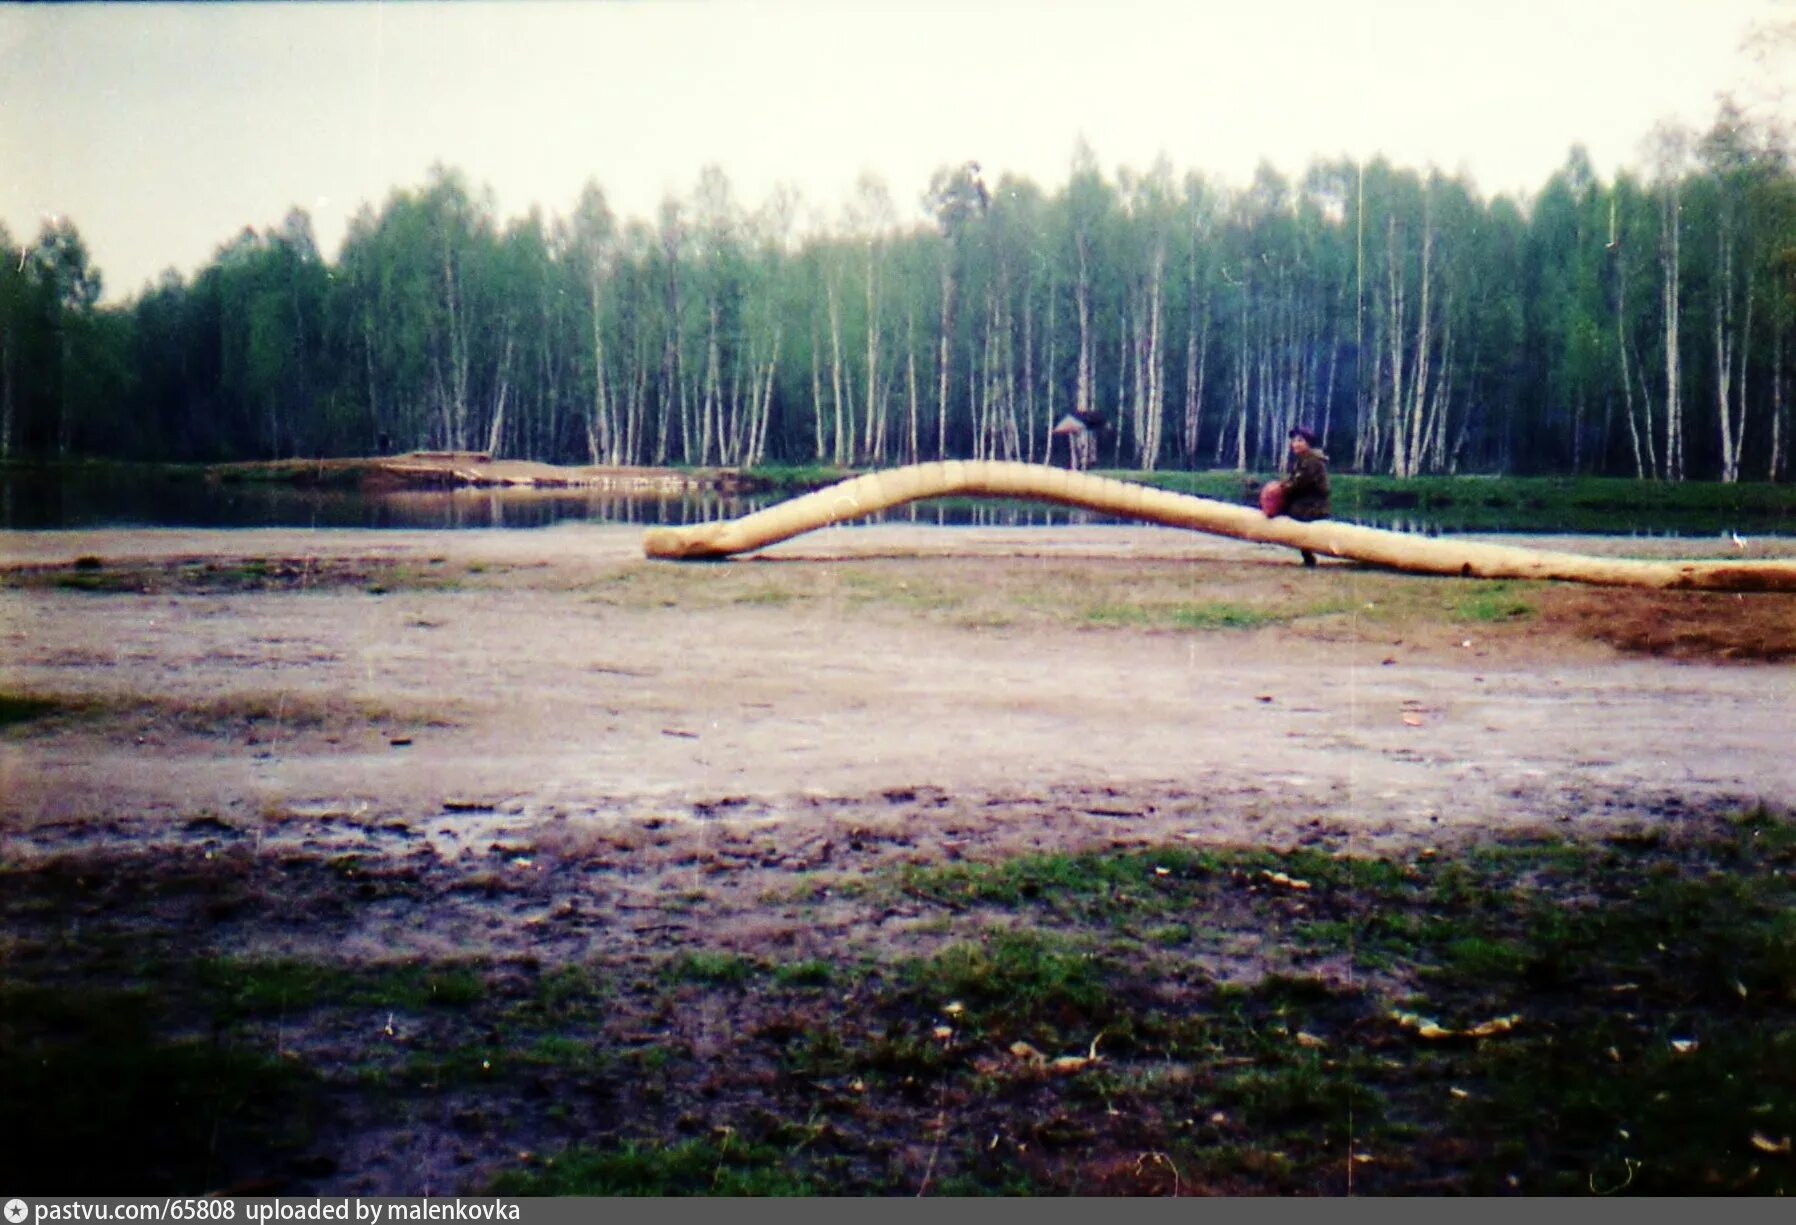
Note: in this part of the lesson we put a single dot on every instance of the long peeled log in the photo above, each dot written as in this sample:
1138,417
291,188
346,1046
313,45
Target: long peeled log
878,491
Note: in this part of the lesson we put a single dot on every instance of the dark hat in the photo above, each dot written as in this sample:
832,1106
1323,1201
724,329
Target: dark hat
1305,433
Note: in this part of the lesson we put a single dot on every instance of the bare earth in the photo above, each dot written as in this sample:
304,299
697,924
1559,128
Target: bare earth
542,683
546,707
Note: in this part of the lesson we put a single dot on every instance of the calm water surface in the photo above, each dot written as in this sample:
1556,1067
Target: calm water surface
39,501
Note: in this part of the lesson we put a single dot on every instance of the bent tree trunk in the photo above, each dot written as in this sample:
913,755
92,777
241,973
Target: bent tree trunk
878,491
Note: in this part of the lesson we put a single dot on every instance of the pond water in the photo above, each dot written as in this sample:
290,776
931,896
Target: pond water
37,500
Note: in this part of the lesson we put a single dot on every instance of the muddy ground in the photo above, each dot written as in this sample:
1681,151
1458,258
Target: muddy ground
348,805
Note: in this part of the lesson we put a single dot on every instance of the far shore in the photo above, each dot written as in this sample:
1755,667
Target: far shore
479,469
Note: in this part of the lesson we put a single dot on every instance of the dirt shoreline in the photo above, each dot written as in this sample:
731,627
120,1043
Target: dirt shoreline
556,673
575,754
559,684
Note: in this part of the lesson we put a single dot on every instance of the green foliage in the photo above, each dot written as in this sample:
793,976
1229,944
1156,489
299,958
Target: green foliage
711,334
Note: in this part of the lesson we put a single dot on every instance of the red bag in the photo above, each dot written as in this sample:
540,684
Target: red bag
1272,499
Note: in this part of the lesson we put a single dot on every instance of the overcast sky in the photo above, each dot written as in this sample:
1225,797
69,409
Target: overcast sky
161,130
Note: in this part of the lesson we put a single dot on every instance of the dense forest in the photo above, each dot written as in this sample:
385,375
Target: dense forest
1641,327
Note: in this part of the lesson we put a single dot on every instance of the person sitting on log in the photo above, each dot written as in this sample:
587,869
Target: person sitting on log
1303,494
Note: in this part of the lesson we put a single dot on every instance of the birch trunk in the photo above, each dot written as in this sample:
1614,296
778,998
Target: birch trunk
873,398
1053,374
711,398
1197,352
943,355
1724,365
496,434
1621,356
1029,375
636,423
1082,390
1670,225
1413,448
910,375
844,410
1328,391
1156,388
817,393
1243,376
764,405
1394,325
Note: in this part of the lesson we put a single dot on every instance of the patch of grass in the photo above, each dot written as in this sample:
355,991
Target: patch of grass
1642,969
912,594
1488,603
1090,886
575,1054
1315,1092
1184,616
569,989
646,1168
1015,978
16,708
102,581
1074,1026
710,968
247,987
1129,891
809,973
1211,615
1220,616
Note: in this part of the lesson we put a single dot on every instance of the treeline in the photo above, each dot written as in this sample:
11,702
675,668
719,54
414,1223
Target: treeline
1641,326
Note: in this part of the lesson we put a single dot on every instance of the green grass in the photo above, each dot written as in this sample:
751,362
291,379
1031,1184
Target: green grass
576,1054
1073,1028
1490,603
1185,616
570,990
811,972
645,1168
1011,976
242,987
1610,953
710,969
